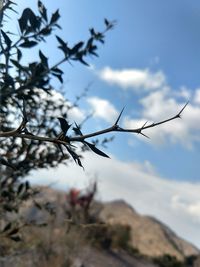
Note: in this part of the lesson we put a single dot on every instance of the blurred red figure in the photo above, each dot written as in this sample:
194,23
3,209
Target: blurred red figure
73,197
80,202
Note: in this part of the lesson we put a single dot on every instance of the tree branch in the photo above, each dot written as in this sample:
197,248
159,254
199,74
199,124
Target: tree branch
21,131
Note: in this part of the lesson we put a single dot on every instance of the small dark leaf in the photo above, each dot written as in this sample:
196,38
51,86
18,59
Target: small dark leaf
19,54
28,44
28,16
60,40
57,73
34,21
23,21
92,32
84,62
17,64
46,31
42,10
63,46
107,23
92,50
77,129
55,16
80,58
89,43
96,150
7,39
58,26
74,156
64,125
43,59
57,70
76,48
59,76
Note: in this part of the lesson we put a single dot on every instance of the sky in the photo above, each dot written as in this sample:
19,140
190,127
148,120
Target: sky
149,64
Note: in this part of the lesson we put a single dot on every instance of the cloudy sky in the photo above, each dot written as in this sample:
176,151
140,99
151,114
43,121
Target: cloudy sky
150,64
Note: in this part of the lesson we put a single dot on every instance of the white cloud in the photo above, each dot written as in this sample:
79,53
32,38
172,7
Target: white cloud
161,104
74,113
184,93
175,203
191,208
133,78
103,109
197,96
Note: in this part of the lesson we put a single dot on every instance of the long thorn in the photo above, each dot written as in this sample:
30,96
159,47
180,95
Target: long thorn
144,124
144,135
119,116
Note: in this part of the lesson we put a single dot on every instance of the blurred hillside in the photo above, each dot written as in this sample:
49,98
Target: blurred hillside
60,233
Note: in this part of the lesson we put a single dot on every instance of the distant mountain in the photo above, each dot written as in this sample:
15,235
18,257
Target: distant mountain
148,235
120,238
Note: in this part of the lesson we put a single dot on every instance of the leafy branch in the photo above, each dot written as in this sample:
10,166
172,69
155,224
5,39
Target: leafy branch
34,29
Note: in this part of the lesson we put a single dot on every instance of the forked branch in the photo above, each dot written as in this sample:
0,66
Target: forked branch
63,139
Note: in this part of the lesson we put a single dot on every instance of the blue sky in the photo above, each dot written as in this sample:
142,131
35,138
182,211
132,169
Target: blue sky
150,64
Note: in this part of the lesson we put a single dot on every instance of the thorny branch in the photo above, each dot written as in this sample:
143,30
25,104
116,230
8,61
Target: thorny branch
66,140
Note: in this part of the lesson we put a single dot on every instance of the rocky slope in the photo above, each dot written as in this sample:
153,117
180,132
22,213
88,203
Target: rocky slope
122,238
148,235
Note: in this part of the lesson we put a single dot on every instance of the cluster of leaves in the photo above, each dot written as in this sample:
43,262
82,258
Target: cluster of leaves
26,91
34,29
26,81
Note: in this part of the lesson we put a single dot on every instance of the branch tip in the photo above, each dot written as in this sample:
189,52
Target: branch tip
178,115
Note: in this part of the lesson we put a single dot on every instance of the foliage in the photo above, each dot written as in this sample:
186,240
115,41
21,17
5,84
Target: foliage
31,83
26,91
